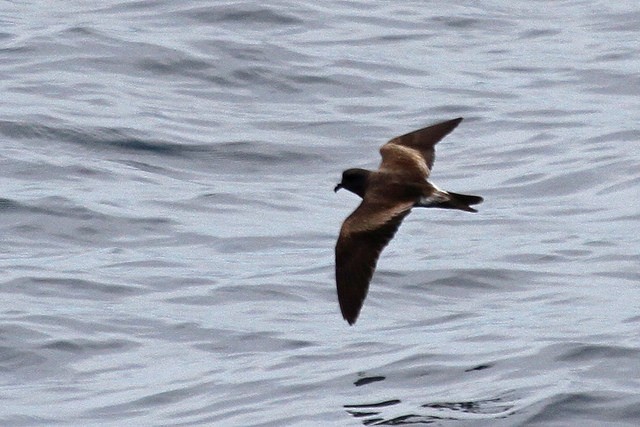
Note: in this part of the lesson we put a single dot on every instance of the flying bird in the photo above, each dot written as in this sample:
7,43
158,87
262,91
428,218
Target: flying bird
388,194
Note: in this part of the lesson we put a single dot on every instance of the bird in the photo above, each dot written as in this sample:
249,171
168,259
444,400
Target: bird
388,195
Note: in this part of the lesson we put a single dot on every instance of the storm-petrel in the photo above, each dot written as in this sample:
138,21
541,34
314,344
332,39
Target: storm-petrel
388,195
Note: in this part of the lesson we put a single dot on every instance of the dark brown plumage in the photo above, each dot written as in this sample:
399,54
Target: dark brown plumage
388,194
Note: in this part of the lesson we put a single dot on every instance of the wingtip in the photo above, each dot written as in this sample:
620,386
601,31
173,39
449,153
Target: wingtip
456,121
350,318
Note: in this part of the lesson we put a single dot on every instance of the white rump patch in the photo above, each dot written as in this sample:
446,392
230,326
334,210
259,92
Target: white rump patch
436,198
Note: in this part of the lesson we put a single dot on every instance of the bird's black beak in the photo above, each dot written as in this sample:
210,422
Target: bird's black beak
339,186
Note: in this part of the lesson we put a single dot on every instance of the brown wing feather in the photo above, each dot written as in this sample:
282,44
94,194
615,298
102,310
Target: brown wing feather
362,237
419,153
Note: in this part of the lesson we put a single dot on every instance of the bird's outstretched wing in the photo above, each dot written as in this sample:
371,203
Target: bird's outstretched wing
362,237
413,154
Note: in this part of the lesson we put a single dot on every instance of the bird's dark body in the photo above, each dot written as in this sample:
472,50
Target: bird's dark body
388,195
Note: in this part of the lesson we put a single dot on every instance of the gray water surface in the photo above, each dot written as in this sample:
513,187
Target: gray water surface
167,217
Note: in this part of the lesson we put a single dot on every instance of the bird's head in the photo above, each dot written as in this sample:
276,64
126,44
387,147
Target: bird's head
354,180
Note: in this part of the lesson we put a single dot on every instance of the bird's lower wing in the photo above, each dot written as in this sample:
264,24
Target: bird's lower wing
363,236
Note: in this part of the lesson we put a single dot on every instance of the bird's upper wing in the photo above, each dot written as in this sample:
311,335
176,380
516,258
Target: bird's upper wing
413,154
362,237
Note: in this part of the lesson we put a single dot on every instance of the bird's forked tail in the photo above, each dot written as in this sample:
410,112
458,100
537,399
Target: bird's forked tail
448,200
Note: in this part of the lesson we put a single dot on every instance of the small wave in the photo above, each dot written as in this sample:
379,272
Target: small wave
108,138
227,155
71,288
248,16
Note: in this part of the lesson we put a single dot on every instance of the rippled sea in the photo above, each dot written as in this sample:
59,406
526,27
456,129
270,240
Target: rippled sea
167,219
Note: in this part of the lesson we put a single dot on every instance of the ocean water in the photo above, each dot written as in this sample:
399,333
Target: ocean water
167,219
